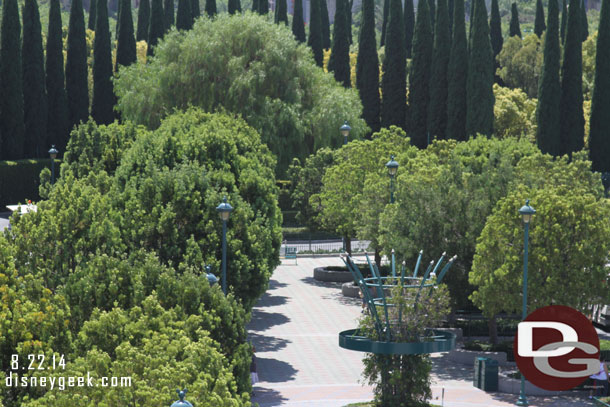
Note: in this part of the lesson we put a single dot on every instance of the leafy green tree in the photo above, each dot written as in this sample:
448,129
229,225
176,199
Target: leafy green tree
514,113
514,28
457,76
549,92
144,20
495,29
384,24
168,14
298,24
184,15
210,7
11,83
195,10
520,63
34,95
367,67
409,19
437,108
480,101
599,142
340,50
394,80
102,107
156,28
571,117
126,42
315,39
92,15
281,12
564,21
57,116
539,25
326,24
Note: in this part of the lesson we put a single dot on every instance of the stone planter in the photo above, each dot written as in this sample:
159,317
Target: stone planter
466,357
513,386
351,290
334,276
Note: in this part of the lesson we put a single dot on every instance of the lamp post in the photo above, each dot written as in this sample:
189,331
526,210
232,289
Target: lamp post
526,212
345,129
392,167
53,154
224,210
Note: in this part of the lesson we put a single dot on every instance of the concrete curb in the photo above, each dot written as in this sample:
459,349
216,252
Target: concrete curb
321,274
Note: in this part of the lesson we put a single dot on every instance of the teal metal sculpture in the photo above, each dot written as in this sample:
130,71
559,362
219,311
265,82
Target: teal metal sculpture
181,402
376,290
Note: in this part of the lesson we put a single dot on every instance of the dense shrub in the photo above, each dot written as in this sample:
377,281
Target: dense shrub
19,180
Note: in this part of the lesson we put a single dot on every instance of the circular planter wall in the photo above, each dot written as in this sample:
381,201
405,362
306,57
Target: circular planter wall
334,276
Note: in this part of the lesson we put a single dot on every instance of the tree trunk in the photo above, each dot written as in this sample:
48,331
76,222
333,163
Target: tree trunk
378,258
348,245
492,324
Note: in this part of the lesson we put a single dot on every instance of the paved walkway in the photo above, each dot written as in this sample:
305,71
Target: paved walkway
295,328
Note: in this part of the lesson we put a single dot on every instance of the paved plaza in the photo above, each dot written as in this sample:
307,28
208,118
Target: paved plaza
295,328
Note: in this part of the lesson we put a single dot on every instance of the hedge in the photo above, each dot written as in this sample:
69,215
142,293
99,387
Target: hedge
19,180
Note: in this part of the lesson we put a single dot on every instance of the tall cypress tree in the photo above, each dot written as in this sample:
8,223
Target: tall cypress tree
514,28
11,85
340,49
437,109
76,66
394,80
599,138
263,6
103,95
315,32
210,7
450,8
495,29
367,67
195,9
57,117
168,9
34,95
457,76
156,27
432,7
126,43
539,25
571,117
255,6
298,25
419,79
549,90
184,15
564,20
384,23
237,5
584,24
350,4
92,13
325,24
480,101
143,20
281,12
409,19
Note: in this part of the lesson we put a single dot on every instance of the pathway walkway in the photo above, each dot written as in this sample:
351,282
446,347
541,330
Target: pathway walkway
295,328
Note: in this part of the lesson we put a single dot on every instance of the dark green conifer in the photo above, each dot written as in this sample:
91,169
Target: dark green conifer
298,25
549,90
480,100
281,12
599,137
409,19
584,27
184,15
349,20
495,28
34,95
255,6
384,23
143,20
168,10
325,24
76,67
564,20
450,8
539,25
195,10
126,43
367,67
457,76
263,6
103,96
515,28
437,109
92,12
57,117
571,117
340,49
210,7
156,27
11,83
432,7
315,32
419,79
394,80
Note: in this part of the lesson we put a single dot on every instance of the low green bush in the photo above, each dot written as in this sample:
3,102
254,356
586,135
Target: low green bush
479,327
483,346
19,180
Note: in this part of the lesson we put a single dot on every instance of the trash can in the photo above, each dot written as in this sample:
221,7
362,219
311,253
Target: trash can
489,375
478,369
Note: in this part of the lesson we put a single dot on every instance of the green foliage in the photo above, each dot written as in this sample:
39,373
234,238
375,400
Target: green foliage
564,21
295,106
326,24
19,180
12,136
514,113
184,16
437,108
589,51
409,20
457,76
126,42
495,28
340,50
210,7
520,63
367,67
168,14
34,95
144,20
599,144
571,116
539,25
195,10
315,39
567,244
102,107
514,28
419,77
92,15
480,101
281,12
384,24
584,25
77,88
549,90
298,25
57,116
156,27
